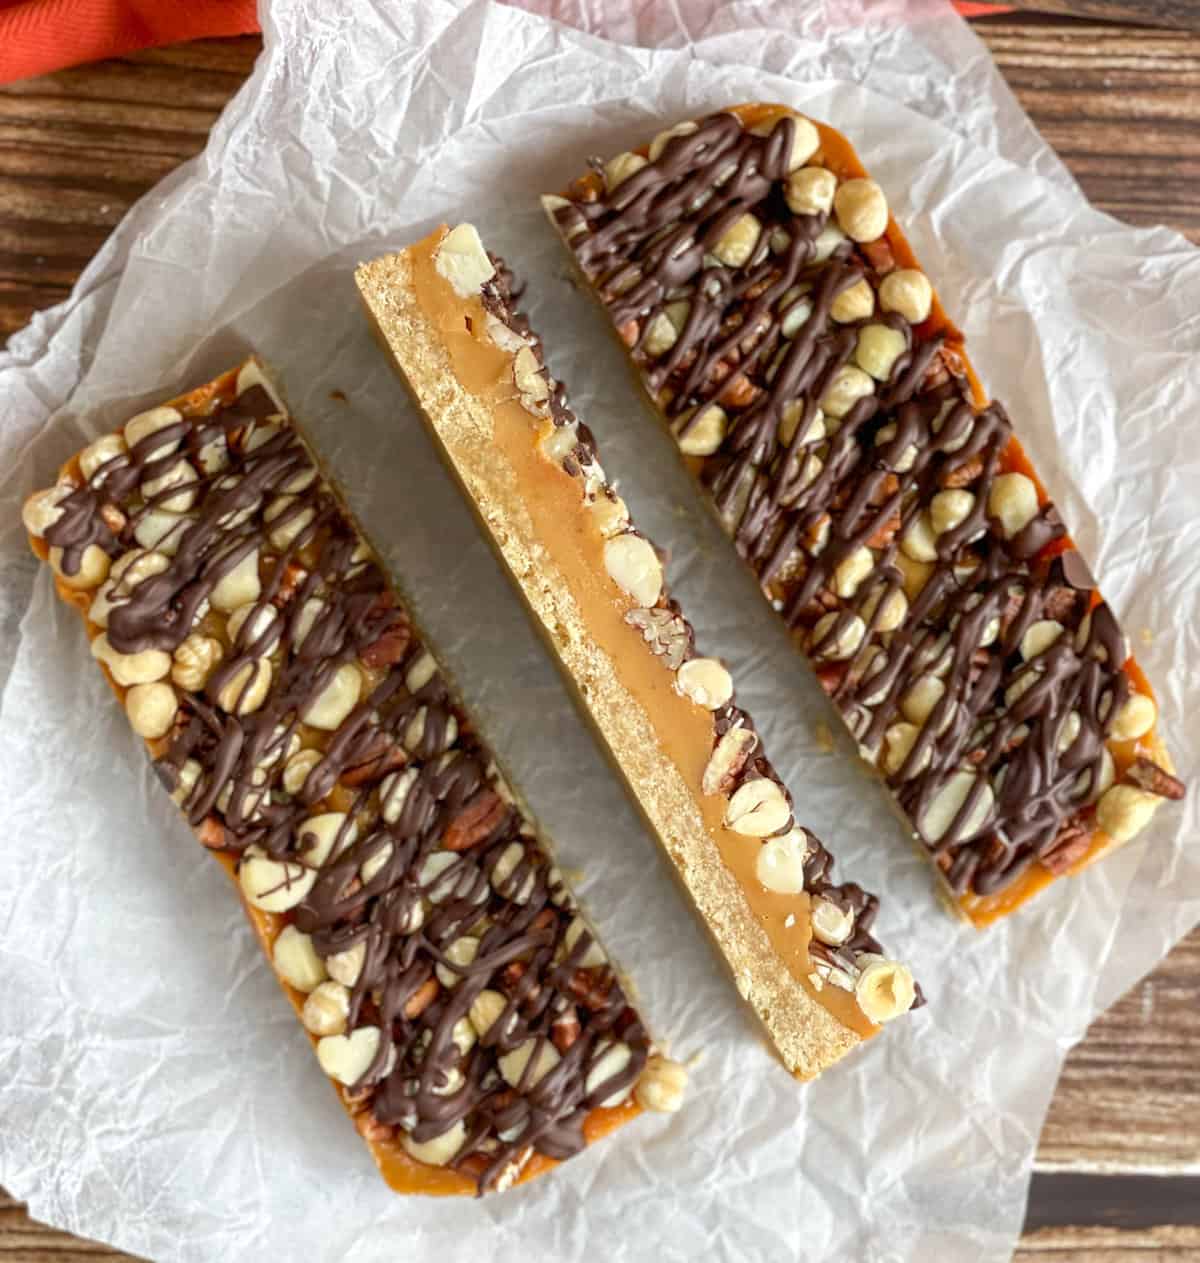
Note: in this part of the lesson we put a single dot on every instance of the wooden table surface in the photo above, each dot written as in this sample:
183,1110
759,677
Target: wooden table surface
1118,1170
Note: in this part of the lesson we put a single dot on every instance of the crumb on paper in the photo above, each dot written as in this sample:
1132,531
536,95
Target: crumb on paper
824,737
339,395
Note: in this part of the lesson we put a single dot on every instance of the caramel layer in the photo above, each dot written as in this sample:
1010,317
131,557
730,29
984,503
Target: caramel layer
683,730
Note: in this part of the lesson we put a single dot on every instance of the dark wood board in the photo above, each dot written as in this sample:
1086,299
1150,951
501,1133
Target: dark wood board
1118,1175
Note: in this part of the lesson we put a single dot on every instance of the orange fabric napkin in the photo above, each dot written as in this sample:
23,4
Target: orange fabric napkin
37,36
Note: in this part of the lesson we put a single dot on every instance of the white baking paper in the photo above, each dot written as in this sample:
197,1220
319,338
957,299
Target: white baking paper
157,1092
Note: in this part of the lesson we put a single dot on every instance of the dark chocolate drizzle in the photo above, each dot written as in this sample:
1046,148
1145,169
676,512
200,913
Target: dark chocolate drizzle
421,1080
795,519
840,962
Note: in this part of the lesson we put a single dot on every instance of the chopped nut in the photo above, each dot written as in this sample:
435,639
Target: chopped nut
666,634
922,698
617,170
852,570
461,259
919,541
394,791
43,508
594,955
949,509
195,660
758,808
878,349
150,422
347,1058
461,952
336,700
849,385
478,820
274,885
941,812
729,756
706,682
296,960
779,865
663,331
239,586
103,452
1040,636
703,434
530,379
898,742
517,1070
151,709
810,191
634,566
861,209
738,243
421,998
831,924
326,1010
828,240
611,515
438,1151
180,474
1135,718
246,690
660,142
661,1085
855,303
1124,811
1147,775
608,1065
321,836
1013,502
885,989
908,293
286,524
131,668
93,568
486,1009
836,636
420,672
297,768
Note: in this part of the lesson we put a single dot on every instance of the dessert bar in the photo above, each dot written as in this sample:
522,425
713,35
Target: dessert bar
472,1024
799,944
782,328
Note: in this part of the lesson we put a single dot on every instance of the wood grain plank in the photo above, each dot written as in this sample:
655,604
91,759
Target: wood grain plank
1121,106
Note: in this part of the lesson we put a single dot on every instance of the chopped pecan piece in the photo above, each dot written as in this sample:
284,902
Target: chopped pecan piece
961,475
477,820
387,649
591,991
421,998
885,532
1147,775
1072,844
383,756
564,1030
1062,604
879,255
212,833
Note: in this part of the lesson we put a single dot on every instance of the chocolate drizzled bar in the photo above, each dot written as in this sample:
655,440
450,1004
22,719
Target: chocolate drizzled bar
469,1019
800,944
782,328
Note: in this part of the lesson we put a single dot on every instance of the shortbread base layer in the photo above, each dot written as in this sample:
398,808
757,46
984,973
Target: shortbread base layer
475,440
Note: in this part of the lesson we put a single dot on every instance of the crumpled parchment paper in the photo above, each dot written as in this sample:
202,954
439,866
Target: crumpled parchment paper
156,1091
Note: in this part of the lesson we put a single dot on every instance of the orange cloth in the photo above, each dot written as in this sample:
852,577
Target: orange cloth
37,36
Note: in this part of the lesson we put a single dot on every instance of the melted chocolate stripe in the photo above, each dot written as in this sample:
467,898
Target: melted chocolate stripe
796,520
